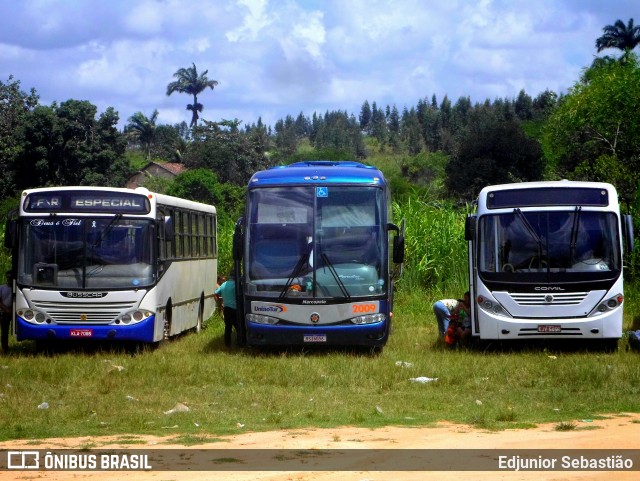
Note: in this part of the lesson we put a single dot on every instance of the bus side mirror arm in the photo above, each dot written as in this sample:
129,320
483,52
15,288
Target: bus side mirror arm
238,239
628,233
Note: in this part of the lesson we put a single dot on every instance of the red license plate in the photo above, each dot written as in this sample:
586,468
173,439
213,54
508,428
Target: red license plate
549,328
81,332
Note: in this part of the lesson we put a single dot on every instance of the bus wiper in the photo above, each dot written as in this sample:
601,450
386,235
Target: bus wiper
530,229
335,275
107,229
295,273
573,242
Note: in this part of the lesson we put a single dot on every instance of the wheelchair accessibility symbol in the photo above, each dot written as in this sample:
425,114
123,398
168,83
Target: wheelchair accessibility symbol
322,192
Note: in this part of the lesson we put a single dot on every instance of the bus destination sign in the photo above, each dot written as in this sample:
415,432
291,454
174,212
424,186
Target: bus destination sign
90,201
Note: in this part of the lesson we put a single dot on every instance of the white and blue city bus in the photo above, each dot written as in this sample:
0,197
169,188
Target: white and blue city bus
316,263
111,264
545,261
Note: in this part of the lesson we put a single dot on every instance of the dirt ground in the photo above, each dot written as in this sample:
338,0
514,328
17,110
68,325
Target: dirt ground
614,432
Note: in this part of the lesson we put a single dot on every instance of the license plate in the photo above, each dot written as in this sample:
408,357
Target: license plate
81,332
549,328
315,338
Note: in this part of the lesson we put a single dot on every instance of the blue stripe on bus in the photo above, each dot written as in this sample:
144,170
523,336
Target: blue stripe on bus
142,331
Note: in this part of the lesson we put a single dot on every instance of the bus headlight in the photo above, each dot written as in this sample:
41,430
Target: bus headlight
608,305
492,307
368,319
260,319
33,316
133,317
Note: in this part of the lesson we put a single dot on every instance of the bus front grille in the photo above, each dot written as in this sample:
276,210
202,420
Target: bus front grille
83,313
548,298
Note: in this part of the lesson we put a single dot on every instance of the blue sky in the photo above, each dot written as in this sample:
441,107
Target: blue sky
273,58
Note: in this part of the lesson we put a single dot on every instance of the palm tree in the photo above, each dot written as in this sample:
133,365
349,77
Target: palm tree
189,82
143,129
620,36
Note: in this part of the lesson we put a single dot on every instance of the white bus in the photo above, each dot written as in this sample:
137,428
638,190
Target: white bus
545,261
111,264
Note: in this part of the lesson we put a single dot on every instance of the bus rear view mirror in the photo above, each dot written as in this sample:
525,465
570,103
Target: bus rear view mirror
398,242
398,249
470,228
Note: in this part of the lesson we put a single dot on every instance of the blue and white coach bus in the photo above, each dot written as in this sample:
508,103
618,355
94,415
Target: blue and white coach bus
111,264
545,261
316,258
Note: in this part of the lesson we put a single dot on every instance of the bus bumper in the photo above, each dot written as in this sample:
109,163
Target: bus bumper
140,332
357,335
607,326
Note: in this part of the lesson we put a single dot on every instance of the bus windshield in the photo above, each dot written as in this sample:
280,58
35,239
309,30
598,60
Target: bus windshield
86,253
325,242
567,245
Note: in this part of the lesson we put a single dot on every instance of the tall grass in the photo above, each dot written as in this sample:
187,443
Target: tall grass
436,252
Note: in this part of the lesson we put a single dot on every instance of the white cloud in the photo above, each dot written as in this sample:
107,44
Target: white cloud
274,58
253,23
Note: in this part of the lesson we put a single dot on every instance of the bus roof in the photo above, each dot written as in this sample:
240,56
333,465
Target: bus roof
318,172
569,184
152,196
560,193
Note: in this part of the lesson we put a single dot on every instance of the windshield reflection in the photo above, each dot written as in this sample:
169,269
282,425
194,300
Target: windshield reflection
87,253
549,242
308,243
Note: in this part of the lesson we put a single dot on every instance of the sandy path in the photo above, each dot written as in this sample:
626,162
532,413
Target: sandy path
615,432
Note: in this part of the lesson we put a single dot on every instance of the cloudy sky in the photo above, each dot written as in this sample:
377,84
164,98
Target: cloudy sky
273,58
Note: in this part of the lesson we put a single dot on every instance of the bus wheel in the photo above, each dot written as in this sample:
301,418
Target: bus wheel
609,345
168,313
200,315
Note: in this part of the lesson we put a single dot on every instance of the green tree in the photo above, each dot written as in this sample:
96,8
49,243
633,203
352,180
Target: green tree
286,139
233,154
171,142
496,153
190,82
202,185
620,36
365,117
68,145
142,130
15,106
410,132
594,133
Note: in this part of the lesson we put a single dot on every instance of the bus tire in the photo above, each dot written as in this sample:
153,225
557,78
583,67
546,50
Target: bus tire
200,314
609,345
168,314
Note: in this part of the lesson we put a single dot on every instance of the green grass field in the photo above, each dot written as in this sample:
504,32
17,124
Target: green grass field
116,391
